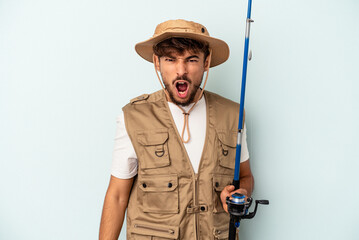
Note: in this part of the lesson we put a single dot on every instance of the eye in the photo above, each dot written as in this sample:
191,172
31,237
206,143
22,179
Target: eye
193,60
169,59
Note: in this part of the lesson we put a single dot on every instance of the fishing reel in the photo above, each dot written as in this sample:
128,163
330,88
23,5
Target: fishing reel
238,208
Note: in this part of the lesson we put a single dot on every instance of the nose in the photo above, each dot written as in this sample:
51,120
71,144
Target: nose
181,68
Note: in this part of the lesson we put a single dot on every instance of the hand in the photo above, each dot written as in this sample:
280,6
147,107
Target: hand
228,191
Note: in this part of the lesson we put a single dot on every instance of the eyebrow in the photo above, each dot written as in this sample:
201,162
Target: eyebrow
192,56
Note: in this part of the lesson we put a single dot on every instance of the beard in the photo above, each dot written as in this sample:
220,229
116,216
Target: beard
191,94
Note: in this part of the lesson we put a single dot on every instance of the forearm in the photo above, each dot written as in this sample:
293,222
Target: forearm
114,208
246,180
113,214
247,183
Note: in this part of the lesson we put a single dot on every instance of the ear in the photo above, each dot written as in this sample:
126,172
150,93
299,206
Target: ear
156,61
206,64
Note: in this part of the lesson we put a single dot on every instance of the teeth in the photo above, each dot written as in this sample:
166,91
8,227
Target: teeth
181,83
182,92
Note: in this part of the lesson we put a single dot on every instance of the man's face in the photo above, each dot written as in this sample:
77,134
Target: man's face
182,75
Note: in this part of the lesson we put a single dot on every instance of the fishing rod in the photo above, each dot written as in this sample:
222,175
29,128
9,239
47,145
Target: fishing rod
237,206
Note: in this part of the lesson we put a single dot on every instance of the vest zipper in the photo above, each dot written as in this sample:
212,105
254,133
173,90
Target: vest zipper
194,175
198,237
170,231
196,204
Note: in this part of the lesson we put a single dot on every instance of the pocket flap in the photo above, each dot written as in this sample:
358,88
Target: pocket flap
227,137
158,183
157,230
220,181
150,138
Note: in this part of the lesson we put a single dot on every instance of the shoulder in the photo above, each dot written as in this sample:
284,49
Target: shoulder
220,101
224,112
146,98
140,99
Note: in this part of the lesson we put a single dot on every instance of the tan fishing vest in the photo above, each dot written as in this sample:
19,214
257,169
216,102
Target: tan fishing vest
168,200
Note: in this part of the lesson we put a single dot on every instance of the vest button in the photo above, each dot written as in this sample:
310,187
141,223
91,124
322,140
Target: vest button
169,185
217,184
203,208
144,185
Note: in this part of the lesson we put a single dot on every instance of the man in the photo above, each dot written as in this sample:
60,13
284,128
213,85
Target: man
175,149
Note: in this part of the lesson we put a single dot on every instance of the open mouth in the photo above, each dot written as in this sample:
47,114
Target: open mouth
182,88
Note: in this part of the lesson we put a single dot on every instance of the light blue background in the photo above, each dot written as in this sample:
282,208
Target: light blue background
67,67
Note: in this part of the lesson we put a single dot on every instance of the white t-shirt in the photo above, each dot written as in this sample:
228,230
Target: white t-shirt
124,162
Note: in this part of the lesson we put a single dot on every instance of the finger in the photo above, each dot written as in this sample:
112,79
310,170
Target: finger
225,207
226,192
241,191
229,188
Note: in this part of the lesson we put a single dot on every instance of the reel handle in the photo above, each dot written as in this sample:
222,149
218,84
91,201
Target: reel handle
264,202
252,214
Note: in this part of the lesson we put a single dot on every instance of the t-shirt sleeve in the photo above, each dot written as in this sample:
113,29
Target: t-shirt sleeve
124,159
244,147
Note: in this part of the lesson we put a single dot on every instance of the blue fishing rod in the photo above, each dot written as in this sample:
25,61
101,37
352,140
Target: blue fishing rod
237,205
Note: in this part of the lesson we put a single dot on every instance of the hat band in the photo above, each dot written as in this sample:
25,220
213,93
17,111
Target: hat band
180,30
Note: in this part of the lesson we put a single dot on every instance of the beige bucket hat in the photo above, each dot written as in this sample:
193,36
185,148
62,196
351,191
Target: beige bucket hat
185,29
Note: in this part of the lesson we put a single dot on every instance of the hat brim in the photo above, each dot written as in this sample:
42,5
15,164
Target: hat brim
220,49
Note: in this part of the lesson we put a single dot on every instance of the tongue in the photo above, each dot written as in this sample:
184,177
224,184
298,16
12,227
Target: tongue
182,87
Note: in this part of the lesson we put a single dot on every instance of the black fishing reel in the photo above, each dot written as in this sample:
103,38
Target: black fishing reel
238,209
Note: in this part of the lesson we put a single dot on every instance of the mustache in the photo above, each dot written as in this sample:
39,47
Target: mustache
183,77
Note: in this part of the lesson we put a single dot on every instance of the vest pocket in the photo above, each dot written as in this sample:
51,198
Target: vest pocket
144,230
219,182
227,148
158,193
154,153
221,232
